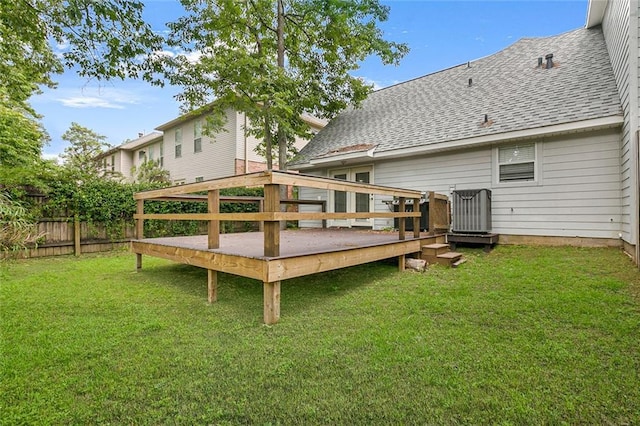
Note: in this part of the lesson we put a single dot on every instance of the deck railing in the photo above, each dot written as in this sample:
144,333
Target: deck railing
270,214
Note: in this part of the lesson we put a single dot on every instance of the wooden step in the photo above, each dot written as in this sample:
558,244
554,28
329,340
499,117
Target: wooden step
449,258
434,249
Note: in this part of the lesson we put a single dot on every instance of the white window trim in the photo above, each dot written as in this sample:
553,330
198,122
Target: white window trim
177,142
197,135
537,168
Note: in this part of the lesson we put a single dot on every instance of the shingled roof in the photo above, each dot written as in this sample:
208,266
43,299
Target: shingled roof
508,87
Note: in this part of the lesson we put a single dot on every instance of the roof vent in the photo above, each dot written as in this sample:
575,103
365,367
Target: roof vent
140,134
470,82
486,122
549,59
540,62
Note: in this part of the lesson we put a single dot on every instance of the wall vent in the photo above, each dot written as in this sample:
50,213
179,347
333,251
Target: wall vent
472,210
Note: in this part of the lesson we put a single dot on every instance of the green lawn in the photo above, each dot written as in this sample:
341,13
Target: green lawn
520,335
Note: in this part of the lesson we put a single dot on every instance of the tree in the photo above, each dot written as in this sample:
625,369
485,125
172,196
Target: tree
150,171
80,157
102,39
276,60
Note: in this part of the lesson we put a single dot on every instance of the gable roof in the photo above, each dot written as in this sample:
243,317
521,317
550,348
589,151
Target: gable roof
508,87
311,120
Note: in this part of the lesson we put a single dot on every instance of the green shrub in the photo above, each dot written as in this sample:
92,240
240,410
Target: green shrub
17,227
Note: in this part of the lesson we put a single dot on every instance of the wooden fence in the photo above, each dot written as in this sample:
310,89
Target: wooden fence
61,236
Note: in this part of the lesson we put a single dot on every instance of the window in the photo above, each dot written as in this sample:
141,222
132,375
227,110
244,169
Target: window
199,179
517,163
197,136
179,182
340,197
142,156
151,153
161,157
178,142
113,163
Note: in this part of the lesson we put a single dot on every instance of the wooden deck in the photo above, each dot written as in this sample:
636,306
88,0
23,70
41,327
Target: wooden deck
303,252
275,255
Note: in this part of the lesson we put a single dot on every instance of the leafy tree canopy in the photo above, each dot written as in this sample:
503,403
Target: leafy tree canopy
101,39
81,156
151,171
275,60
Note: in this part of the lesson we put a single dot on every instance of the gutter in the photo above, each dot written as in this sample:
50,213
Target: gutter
595,13
558,129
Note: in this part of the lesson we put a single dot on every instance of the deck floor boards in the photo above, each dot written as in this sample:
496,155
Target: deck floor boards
293,243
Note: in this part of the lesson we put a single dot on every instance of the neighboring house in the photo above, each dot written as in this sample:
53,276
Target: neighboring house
120,160
191,156
547,124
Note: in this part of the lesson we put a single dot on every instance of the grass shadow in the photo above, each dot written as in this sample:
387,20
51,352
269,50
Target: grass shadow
245,294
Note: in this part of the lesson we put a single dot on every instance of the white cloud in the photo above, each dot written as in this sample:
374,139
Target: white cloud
193,57
101,98
377,85
89,102
54,157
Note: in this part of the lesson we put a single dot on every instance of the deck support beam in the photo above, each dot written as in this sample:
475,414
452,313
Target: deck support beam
139,222
213,206
212,285
271,292
416,219
272,228
401,262
138,261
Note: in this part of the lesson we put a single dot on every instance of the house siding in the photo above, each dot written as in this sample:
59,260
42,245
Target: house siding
440,173
579,196
252,142
124,164
577,193
217,158
312,194
616,29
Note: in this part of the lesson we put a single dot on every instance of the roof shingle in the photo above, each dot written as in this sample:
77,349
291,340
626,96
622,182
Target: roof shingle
507,86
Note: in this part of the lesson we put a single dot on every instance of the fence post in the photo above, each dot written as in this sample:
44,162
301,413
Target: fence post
76,236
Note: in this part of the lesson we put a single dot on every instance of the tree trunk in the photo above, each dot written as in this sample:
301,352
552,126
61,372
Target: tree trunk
267,141
282,136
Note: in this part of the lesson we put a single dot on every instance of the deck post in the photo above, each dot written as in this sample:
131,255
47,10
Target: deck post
271,302
401,220
261,209
433,212
213,206
417,219
272,228
140,222
212,285
401,262
139,231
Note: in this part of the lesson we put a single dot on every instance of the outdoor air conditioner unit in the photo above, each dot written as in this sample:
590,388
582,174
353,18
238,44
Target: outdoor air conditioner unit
472,211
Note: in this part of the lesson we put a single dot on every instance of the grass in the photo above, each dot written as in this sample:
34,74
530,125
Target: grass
520,335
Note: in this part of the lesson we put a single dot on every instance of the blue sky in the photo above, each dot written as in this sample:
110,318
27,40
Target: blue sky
440,34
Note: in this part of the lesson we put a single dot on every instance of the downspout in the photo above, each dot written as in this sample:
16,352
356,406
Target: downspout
634,115
246,147
637,206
